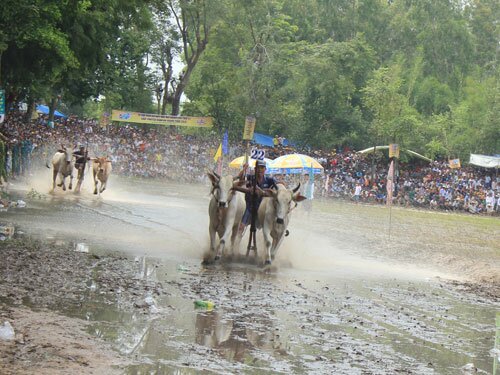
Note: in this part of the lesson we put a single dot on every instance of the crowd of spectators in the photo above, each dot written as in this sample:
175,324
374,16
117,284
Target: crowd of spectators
419,184
159,152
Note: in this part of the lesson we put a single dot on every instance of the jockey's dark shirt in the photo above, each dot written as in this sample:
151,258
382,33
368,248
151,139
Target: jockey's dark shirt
266,183
80,157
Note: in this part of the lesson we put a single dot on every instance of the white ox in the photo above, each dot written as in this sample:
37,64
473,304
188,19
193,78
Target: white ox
225,211
62,166
101,169
274,216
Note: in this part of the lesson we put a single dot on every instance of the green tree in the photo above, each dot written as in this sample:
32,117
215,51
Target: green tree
474,121
336,74
33,51
394,120
64,49
433,97
194,20
241,72
484,23
440,30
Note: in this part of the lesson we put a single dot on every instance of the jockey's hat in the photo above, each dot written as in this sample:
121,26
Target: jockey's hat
261,163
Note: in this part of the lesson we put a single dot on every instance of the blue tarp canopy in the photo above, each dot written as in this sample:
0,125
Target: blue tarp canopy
266,140
45,110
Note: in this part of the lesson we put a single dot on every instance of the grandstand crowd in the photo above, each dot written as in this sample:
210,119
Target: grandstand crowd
158,152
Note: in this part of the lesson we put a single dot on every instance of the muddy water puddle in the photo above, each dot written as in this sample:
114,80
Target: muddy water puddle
288,321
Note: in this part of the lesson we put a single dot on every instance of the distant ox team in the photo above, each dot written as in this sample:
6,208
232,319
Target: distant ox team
63,165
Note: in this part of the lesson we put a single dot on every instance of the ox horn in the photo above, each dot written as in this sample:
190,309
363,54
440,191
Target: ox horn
296,189
213,176
216,174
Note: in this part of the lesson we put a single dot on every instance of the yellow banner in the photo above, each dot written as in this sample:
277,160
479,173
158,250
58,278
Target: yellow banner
166,120
249,128
218,154
454,163
104,120
394,150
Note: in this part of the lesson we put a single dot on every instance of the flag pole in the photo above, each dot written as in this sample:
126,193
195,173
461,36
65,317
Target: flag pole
390,220
219,161
390,189
219,165
248,136
391,177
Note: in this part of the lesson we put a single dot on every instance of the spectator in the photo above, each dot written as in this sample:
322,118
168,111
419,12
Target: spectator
357,192
490,202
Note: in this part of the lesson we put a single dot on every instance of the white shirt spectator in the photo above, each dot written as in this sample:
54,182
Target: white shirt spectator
357,191
490,202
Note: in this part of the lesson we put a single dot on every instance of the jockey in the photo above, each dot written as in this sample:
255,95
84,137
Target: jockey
80,161
261,181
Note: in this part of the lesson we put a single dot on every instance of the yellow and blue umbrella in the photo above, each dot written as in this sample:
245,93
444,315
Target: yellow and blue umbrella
238,162
295,163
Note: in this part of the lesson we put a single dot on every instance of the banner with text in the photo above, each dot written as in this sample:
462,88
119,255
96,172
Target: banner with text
394,150
166,120
454,163
249,128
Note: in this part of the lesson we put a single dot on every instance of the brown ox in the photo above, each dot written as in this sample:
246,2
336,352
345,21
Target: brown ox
101,169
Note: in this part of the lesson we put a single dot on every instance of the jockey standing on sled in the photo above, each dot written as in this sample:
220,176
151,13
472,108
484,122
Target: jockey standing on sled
262,182
81,159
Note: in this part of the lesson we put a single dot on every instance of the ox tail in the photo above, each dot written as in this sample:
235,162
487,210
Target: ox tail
47,164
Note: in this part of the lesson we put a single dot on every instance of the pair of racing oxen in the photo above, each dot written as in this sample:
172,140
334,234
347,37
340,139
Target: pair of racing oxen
63,166
227,207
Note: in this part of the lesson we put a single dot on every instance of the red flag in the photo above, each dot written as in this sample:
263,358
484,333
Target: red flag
390,183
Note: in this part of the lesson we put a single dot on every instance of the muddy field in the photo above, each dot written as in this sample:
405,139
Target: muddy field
107,285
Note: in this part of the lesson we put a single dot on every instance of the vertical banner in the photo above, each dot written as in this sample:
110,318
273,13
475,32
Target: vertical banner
248,133
104,120
394,150
218,153
2,105
454,163
249,128
225,143
390,183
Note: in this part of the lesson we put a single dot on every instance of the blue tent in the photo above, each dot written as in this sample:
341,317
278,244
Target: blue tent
45,110
267,140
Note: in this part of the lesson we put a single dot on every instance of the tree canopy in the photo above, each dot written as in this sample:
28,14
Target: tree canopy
423,74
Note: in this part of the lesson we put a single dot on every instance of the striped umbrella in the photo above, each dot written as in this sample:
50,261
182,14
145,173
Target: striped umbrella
295,163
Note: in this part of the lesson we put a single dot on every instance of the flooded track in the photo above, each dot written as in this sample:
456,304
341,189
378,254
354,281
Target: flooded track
350,292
